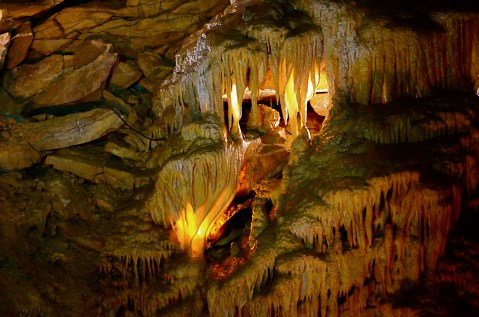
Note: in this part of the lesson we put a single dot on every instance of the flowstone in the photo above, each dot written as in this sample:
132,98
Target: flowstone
238,158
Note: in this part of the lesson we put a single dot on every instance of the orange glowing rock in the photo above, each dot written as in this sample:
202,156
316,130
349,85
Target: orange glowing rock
193,189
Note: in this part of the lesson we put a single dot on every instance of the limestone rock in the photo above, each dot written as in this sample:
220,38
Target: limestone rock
28,80
152,65
50,46
263,118
17,155
65,131
88,52
50,30
93,164
198,185
14,11
8,105
124,75
267,162
78,84
20,45
321,104
4,43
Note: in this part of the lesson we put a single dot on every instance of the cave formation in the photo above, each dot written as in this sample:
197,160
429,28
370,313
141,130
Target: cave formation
239,158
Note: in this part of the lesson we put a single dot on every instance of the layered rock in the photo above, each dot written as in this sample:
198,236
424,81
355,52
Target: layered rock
79,85
20,45
30,139
277,223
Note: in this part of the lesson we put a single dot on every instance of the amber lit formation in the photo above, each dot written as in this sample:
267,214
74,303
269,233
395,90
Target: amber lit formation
238,158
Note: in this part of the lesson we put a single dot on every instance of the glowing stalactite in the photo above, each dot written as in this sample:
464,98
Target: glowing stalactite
234,111
291,105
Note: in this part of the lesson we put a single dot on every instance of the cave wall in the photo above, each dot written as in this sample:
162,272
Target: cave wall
134,134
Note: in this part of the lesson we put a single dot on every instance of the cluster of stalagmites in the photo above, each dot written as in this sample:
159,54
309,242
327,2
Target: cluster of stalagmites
339,222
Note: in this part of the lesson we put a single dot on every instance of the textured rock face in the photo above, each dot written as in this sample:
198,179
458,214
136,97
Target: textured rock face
4,43
230,158
29,80
22,40
78,84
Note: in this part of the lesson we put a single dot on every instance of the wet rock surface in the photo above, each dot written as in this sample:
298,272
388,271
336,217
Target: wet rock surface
232,158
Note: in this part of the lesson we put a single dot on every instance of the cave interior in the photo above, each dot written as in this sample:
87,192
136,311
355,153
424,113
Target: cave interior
239,158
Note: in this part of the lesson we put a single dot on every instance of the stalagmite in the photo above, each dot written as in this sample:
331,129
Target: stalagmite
192,191
212,197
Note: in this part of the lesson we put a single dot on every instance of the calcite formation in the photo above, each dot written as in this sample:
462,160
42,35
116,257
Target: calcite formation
238,158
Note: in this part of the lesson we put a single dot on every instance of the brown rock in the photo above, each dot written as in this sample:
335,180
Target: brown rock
151,84
117,102
48,47
28,80
132,3
112,24
123,150
154,68
17,155
91,163
268,162
86,162
157,27
88,52
72,129
125,75
117,177
78,84
50,29
320,104
263,118
72,19
7,104
22,147
15,11
5,26
20,45
4,42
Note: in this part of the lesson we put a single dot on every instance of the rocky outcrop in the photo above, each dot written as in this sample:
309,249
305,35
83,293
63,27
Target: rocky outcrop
171,158
97,166
79,85
32,138
27,80
4,43
20,44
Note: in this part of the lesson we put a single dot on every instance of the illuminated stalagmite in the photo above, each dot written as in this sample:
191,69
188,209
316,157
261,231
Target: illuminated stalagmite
332,233
241,197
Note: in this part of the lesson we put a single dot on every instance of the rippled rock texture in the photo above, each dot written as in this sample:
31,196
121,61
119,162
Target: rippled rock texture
238,158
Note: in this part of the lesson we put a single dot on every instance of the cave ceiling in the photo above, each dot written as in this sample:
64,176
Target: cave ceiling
239,158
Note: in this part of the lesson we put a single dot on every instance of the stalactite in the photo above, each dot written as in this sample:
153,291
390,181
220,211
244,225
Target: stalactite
404,62
291,55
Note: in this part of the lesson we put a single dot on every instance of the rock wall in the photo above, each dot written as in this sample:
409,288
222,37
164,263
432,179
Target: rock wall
143,173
